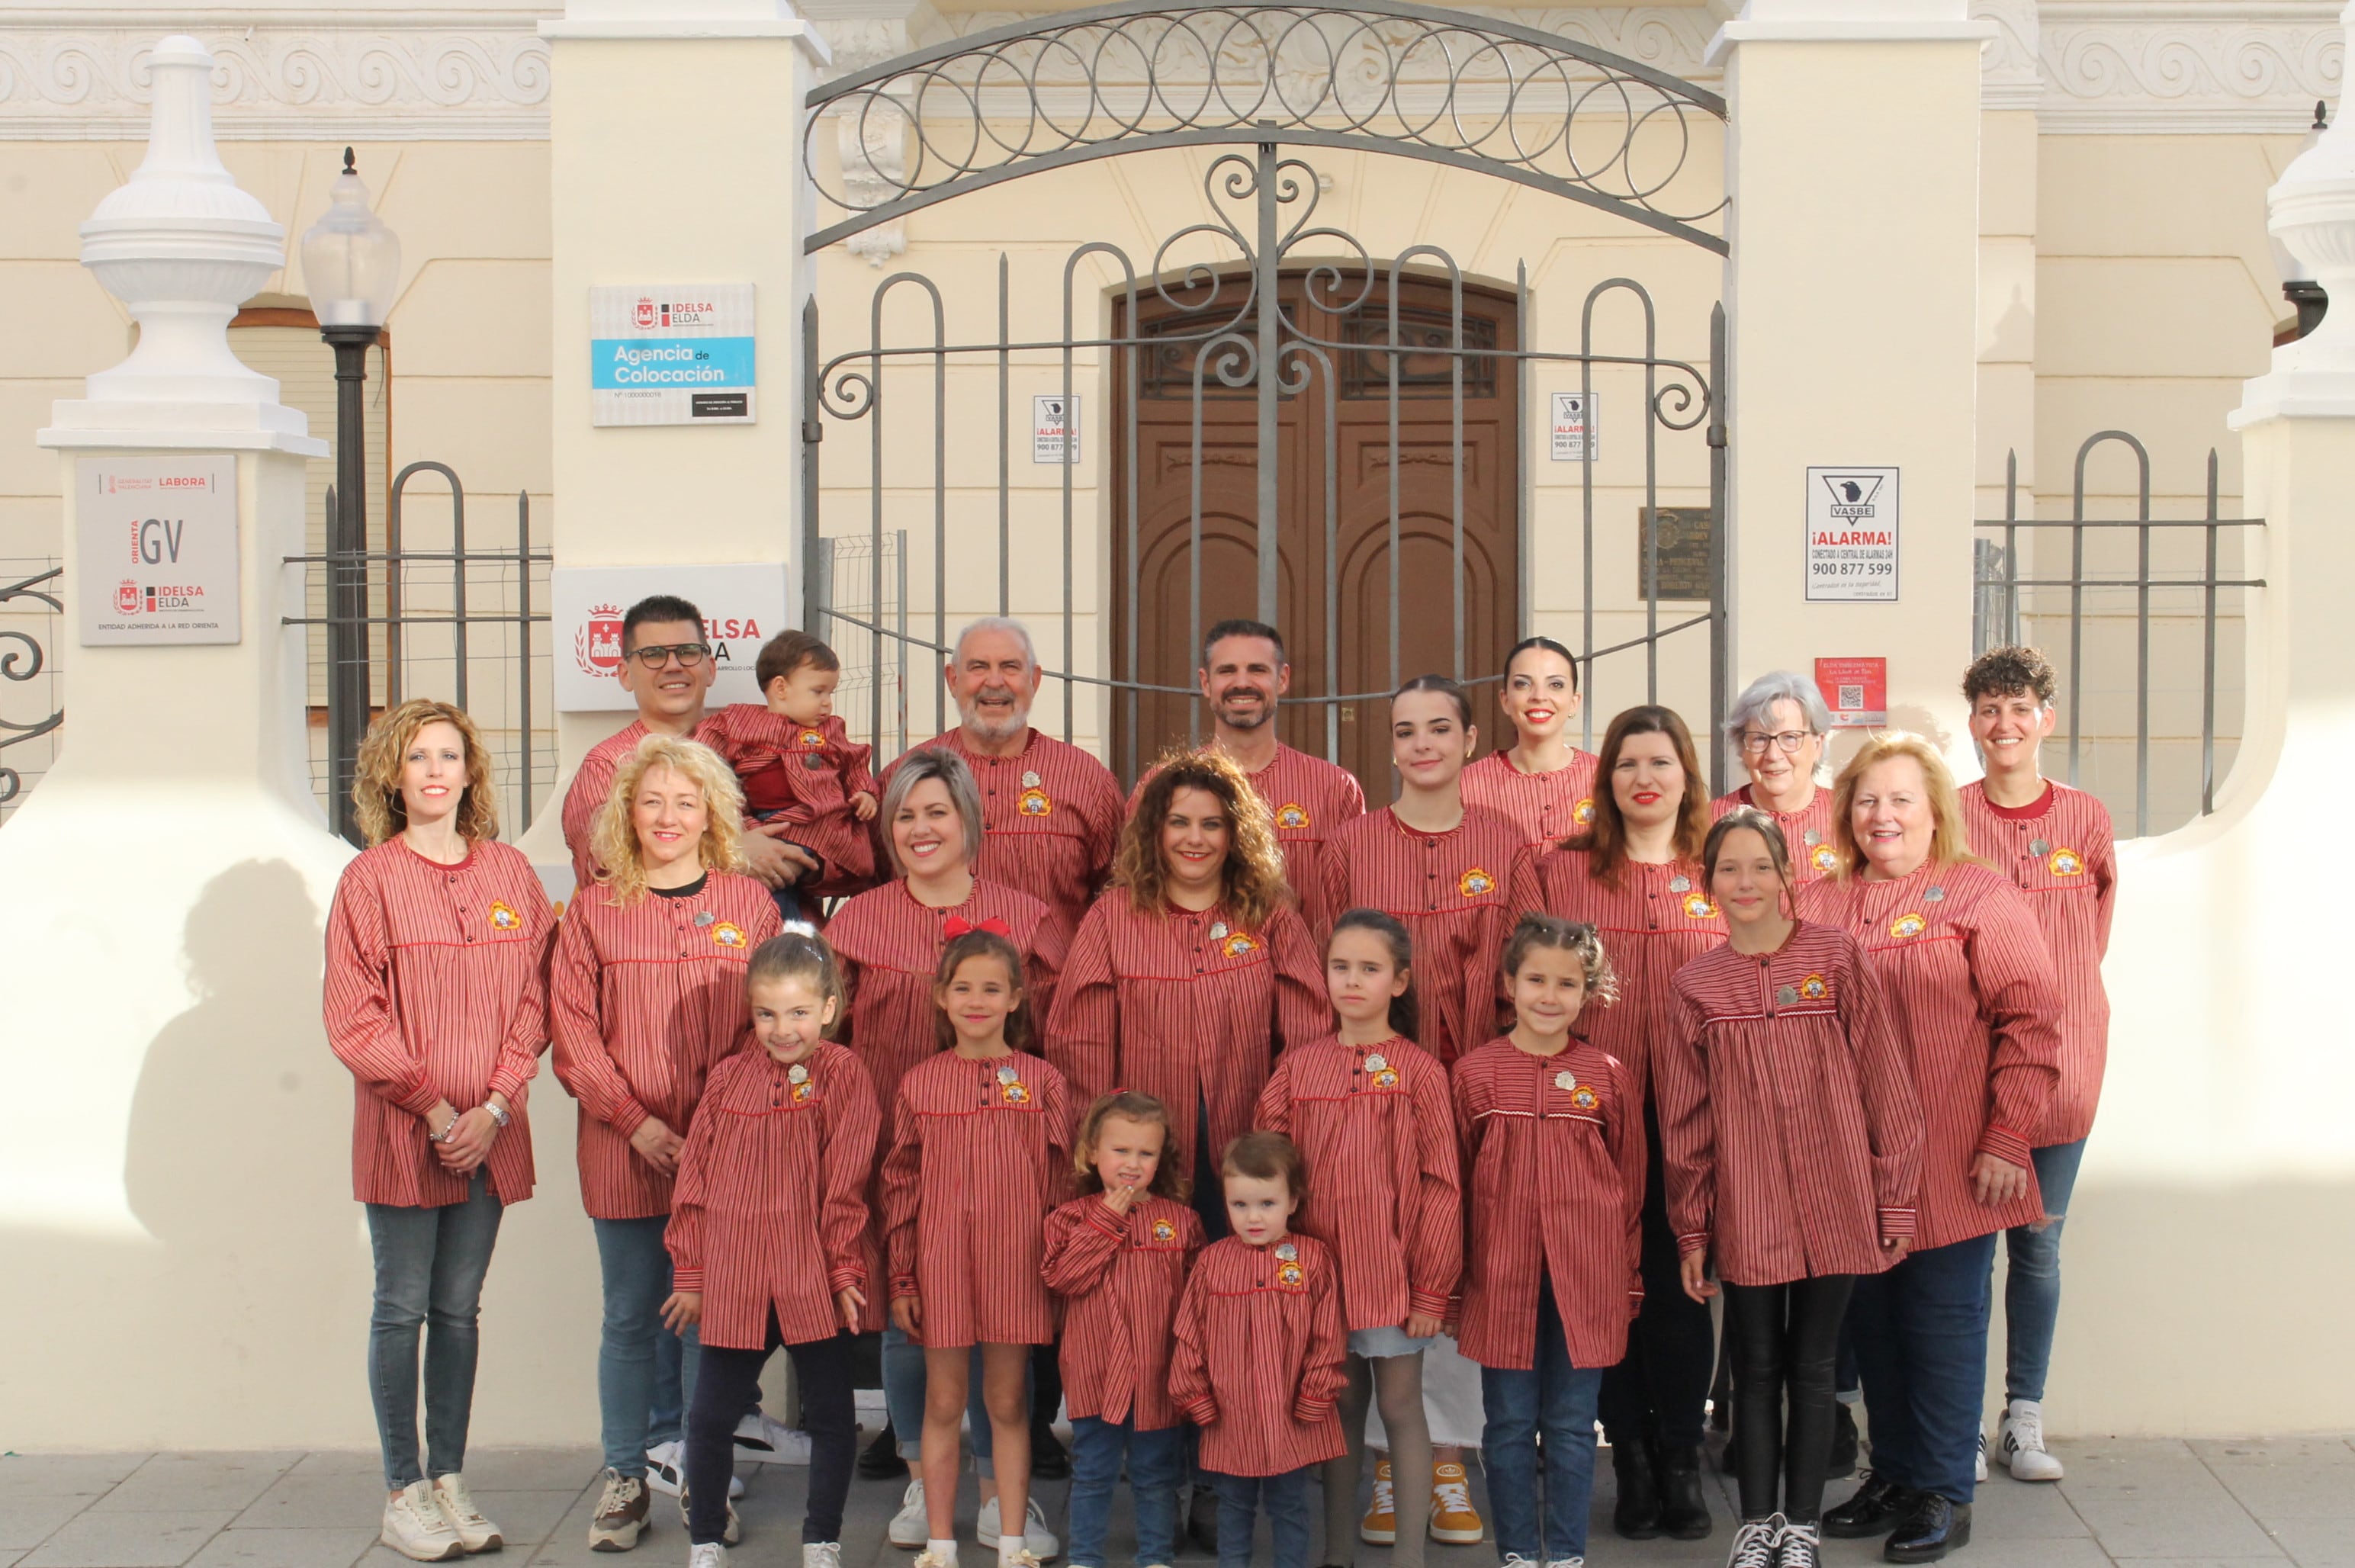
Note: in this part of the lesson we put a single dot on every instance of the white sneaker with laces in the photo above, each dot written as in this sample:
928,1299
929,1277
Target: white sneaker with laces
910,1528
473,1531
666,1470
414,1526
730,1533
1753,1544
1798,1546
1037,1539
928,1558
2019,1438
711,1554
821,1554
771,1442
1566,1563
1978,1472
1022,1558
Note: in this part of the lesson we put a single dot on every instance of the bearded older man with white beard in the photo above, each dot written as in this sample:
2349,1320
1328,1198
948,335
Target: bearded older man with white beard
1050,813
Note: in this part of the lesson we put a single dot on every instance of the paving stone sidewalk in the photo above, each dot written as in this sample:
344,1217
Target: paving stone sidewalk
2169,1504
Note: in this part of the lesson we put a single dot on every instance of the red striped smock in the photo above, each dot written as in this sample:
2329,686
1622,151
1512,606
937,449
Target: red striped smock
1259,1359
1556,1177
1789,1127
1546,807
644,1001
1376,1125
1119,1278
2060,853
1310,800
1807,834
771,1210
435,991
1970,993
1052,838
806,774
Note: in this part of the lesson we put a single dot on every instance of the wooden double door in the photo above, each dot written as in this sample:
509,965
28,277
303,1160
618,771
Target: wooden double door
1339,418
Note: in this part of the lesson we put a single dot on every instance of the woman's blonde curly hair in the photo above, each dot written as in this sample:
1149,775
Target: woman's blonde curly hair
614,838
375,774
1254,874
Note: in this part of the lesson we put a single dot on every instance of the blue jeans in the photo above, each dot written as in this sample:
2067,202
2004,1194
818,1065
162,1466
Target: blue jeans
430,1264
1157,1463
1560,1399
1921,1333
903,1399
645,1374
2032,1288
1285,1498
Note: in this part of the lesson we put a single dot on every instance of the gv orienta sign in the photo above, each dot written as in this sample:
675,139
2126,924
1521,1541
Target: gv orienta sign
742,607
671,354
156,543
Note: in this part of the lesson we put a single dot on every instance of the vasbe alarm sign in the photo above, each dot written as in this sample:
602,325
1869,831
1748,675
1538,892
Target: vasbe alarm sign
1852,535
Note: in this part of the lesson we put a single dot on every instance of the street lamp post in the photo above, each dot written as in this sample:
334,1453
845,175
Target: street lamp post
351,264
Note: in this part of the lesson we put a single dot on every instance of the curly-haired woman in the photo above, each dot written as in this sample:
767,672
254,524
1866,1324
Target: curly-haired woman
434,1001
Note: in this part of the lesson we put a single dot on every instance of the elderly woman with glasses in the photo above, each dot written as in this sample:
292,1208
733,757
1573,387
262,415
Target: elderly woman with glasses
1778,725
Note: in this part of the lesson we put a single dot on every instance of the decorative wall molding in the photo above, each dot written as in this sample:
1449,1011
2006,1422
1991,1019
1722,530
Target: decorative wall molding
2009,75
2187,67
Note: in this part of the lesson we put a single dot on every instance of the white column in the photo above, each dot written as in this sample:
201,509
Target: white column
676,157
1852,164
168,1170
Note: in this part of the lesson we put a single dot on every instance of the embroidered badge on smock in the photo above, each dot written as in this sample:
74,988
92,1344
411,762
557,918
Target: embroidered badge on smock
1030,780
811,739
1375,1061
1565,1080
2065,863
1583,813
1217,931
1815,988
704,917
1475,883
1010,1087
1934,895
503,917
1292,816
1163,1231
2039,847
1034,803
1698,906
1241,945
1909,923
1811,838
1285,1252
1679,883
1786,996
798,1076
727,934
1289,1275
1583,1098
1825,857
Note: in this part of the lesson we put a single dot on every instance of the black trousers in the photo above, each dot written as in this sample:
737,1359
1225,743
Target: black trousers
726,1383
1660,1391
1785,1338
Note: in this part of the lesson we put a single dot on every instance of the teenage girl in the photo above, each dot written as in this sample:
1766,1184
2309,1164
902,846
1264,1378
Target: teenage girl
1553,1142
981,1139
1370,1114
768,1239
1543,781
1118,1256
1794,1142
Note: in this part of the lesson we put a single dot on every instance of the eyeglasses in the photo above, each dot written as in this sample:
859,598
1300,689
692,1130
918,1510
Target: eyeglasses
657,655
1757,740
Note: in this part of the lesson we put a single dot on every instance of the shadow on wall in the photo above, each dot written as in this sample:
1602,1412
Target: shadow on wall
1845,743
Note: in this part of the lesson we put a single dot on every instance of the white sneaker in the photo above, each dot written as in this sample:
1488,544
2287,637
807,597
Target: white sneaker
730,1533
475,1532
1515,1559
910,1527
414,1526
928,1558
2019,1438
1566,1563
1037,1539
711,1554
1979,1465
820,1554
666,1471
771,1442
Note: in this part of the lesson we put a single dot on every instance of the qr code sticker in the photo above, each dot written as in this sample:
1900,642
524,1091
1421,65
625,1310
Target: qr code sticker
1851,699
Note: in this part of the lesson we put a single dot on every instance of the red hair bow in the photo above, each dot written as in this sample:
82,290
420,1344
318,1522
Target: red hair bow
956,926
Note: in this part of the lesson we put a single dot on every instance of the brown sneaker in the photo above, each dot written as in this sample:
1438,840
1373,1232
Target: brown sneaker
621,1513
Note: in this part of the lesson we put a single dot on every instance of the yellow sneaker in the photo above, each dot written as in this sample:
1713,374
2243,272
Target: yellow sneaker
1379,1527
1451,1518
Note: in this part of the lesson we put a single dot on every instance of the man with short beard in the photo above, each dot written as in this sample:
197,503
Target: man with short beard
1051,812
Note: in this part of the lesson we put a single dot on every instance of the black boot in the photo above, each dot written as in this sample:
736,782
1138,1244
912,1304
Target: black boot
879,1460
1637,1515
1050,1460
1931,1528
1874,1510
1684,1510
1842,1464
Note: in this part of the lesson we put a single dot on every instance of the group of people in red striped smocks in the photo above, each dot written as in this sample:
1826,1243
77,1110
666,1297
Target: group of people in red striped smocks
1249,1129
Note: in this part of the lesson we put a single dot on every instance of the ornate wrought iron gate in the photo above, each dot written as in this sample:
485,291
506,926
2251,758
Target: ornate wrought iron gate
1260,304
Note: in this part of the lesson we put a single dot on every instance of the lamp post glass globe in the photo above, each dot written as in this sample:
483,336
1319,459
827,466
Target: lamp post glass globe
351,261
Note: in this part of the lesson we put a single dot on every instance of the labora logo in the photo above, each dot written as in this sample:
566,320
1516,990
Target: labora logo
597,646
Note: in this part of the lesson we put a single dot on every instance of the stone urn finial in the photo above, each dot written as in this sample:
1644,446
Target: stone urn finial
2311,210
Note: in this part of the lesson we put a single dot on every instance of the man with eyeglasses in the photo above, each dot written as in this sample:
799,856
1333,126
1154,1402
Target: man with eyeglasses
666,665
1778,725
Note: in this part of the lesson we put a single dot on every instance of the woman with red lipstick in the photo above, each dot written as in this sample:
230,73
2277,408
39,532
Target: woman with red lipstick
1635,874
1972,994
889,942
645,998
1542,781
434,1001
1778,725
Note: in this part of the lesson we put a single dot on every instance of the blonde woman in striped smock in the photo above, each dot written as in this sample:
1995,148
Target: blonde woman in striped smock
1972,993
646,996
434,1000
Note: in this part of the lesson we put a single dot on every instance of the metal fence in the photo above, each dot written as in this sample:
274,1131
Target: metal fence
847,573
32,707
2129,609
444,616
